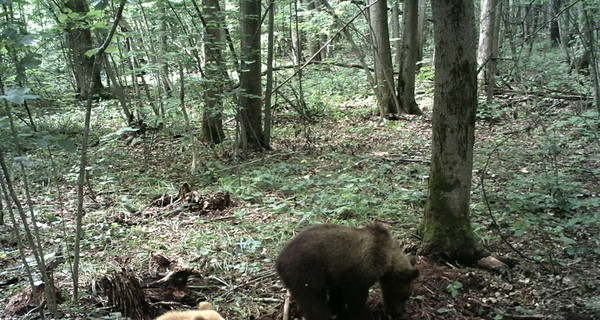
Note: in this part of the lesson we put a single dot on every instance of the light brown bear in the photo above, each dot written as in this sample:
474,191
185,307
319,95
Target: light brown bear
330,268
205,312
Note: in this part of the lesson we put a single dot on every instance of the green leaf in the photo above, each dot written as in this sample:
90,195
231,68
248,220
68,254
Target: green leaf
92,52
27,39
62,18
443,310
99,25
454,288
14,99
51,218
31,61
4,123
94,13
567,240
111,49
18,96
67,144
42,143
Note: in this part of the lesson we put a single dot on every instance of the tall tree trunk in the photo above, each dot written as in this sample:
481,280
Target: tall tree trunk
396,34
79,41
408,67
485,51
591,26
554,28
384,78
314,40
297,42
250,117
269,63
117,89
83,161
446,227
421,34
167,87
212,116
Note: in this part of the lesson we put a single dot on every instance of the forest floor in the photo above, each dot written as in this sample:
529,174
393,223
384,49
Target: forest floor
538,161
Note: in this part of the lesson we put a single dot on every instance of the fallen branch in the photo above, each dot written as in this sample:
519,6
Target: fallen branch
562,291
286,306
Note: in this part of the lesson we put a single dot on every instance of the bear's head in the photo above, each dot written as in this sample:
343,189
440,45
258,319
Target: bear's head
396,283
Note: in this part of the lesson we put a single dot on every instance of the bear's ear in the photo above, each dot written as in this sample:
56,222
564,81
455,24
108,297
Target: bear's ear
413,259
205,306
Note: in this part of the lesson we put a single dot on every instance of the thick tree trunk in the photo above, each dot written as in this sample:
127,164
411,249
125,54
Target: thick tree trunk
79,41
212,117
446,228
408,67
384,78
250,117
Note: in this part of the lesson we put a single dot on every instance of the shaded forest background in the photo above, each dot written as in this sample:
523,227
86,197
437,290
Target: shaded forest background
206,150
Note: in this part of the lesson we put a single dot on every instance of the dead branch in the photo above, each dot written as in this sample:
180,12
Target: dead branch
322,63
286,306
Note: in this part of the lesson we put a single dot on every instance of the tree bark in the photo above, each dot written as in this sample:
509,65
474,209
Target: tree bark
485,51
79,41
554,28
591,26
314,40
446,228
212,116
297,41
250,113
269,63
396,34
421,34
384,78
167,87
408,67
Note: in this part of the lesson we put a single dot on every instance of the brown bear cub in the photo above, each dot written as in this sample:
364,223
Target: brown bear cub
205,312
330,268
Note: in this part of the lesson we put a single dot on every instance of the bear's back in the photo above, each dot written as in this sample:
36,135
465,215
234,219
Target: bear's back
338,253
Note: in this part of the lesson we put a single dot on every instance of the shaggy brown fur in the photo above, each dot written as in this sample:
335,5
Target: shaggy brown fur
205,312
330,268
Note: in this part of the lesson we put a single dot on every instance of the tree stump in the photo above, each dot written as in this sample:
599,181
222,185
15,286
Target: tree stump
124,291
